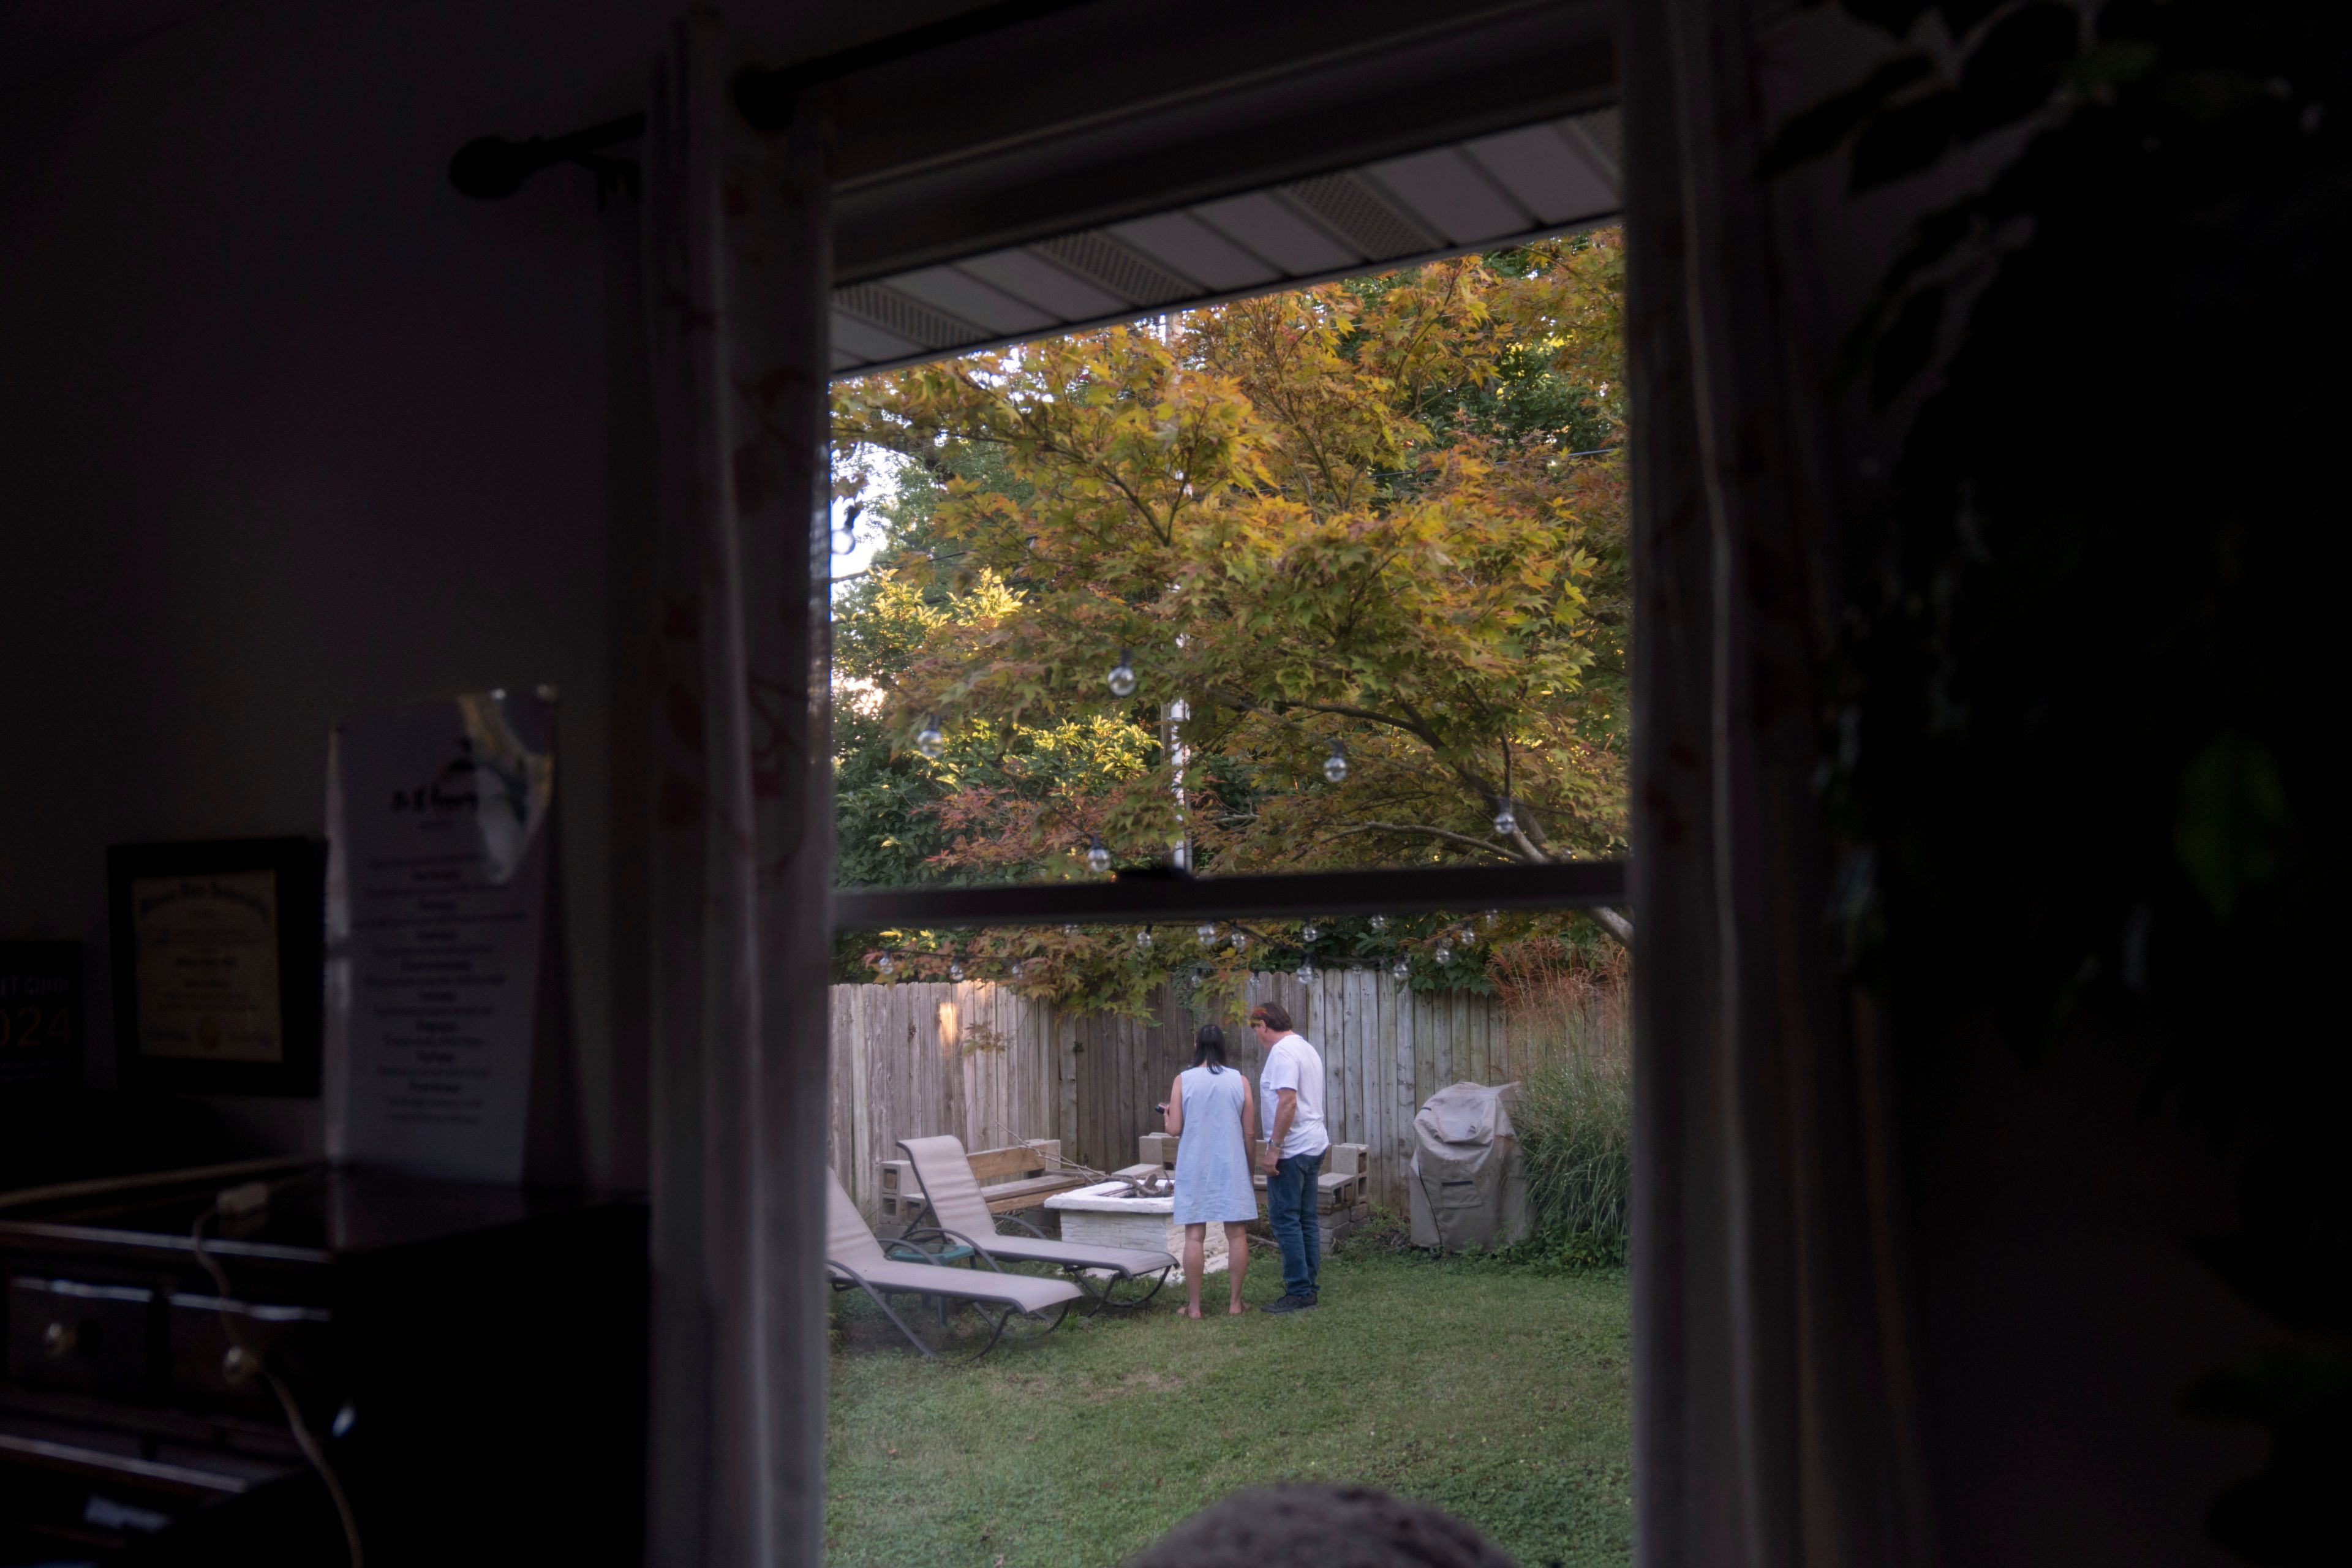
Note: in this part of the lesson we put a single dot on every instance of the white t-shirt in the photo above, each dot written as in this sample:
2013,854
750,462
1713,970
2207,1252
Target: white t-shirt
1291,1063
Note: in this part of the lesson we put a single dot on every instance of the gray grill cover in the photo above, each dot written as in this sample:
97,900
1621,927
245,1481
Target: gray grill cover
1466,1189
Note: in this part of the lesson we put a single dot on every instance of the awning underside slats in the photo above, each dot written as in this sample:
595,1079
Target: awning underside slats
1483,194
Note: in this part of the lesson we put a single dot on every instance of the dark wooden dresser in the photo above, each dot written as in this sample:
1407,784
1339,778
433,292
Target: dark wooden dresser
472,1359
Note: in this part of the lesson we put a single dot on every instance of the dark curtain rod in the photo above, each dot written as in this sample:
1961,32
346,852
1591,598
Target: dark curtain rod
490,168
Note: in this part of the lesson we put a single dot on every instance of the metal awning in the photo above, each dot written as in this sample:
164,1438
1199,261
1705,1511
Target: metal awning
1481,194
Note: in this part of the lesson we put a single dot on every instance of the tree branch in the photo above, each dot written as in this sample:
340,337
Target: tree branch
1614,922
1486,844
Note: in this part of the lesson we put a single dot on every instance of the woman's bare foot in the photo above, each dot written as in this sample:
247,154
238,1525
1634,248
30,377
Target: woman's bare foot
1235,1311
1192,1313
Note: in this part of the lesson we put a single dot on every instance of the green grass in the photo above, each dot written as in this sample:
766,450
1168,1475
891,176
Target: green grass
1497,1393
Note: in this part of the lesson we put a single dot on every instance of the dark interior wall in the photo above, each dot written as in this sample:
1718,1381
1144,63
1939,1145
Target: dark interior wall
2063,1312
288,432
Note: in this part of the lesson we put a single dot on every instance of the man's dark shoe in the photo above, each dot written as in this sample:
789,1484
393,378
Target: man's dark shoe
1288,1304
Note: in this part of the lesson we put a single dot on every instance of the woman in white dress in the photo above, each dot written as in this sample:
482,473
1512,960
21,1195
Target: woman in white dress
1211,1106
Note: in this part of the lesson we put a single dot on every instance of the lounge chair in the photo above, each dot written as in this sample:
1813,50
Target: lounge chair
856,1259
954,1202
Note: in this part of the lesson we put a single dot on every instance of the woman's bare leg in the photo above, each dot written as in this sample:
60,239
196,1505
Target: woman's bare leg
1195,1242
1236,1261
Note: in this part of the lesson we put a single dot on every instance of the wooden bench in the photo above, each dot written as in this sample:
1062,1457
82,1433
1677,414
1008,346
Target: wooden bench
1020,1177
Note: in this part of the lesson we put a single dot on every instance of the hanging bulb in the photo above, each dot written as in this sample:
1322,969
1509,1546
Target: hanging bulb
1070,929
1097,857
882,965
1207,933
1018,965
955,971
1309,931
1491,917
1241,939
1401,970
928,740
1305,972
1442,953
1143,940
1334,766
1380,924
1122,678
1467,937
1506,821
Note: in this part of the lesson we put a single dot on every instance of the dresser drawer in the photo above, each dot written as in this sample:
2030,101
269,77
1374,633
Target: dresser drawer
293,1341
71,1336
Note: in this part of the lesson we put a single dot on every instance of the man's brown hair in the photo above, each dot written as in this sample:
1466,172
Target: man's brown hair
1274,1015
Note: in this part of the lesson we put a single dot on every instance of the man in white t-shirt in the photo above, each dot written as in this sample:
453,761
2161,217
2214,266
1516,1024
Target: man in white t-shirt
1290,1102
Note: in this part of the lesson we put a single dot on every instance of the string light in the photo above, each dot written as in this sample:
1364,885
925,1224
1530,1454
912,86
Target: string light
1467,937
1097,857
882,965
1070,929
1309,931
1506,821
1380,924
1122,678
1442,954
1207,933
1241,939
1143,940
1402,970
1334,766
1305,972
929,739
955,971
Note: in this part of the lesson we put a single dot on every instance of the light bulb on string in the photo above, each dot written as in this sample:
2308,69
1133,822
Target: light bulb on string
1097,857
1467,937
955,971
929,739
1334,766
1380,924
1401,971
1122,678
1143,940
1206,931
883,966
1070,929
1506,821
1305,972
1309,931
1442,953
1241,939
1491,917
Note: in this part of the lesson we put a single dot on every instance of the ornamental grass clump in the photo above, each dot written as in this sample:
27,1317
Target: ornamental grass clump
1571,1042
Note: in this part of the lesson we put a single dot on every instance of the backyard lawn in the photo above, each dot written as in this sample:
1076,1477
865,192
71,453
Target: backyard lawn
1500,1395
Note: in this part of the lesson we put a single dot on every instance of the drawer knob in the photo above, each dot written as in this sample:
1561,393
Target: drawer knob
59,1340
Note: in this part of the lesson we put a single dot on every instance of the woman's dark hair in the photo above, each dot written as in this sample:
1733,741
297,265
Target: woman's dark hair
1209,1048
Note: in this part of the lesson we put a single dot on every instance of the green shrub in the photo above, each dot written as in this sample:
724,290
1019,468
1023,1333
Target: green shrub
1574,1109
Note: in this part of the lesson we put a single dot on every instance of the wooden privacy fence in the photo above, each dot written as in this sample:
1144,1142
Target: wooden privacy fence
994,1067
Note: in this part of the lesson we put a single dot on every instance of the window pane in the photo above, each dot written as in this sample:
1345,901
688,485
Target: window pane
1327,578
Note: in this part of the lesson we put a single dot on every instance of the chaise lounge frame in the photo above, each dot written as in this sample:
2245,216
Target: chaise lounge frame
953,1197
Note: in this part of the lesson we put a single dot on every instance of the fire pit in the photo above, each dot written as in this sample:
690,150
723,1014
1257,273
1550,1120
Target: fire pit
1109,1213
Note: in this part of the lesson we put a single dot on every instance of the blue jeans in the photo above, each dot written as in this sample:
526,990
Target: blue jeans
1290,1210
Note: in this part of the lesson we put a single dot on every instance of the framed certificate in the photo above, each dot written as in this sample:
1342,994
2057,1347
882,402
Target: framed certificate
217,964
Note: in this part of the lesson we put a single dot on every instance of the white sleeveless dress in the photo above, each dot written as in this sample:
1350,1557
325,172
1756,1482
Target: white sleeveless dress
1213,1177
